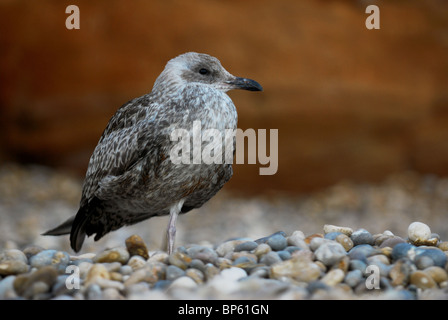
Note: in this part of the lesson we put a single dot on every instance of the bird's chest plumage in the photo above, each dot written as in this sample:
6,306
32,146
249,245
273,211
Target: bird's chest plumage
208,119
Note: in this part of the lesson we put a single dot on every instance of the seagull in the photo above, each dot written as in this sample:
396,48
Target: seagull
131,176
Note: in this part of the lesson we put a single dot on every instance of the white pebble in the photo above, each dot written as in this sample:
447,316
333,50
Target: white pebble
331,228
418,231
184,282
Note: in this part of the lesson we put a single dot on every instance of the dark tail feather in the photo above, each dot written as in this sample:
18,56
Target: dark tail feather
62,229
78,230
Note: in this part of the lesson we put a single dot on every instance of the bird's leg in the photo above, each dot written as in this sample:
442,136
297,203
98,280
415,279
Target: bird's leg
171,230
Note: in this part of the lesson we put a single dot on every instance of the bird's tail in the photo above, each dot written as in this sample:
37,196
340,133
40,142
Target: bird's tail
75,226
62,229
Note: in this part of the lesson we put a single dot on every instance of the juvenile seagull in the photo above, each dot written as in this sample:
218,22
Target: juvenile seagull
131,177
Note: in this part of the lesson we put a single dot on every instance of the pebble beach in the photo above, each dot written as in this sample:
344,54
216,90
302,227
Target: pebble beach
350,242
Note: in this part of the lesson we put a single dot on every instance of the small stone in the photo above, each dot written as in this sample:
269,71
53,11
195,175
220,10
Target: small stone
136,262
228,246
353,278
126,270
422,280
180,260
317,242
262,249
330,253
97,271
328,228
356,264
400,272
173,272
284,254
361,252
403,250
111,294
362,236
438,274
7,288
333,277
294,237
203,253
345,241
378,258
183,282
13,267
159,256
13,255
300,268
270,258
196,275
443,246
277,242
24,283
245,262
32,250
265,239
59,259
332,235
311,237
94,292
118,254
197,264
423,262
418,232
246,246
210,271
391,242
435,254
136,246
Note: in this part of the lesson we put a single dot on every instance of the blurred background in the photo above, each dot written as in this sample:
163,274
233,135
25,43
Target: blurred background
358,111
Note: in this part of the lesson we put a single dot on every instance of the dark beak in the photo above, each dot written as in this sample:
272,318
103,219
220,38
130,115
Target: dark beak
245,84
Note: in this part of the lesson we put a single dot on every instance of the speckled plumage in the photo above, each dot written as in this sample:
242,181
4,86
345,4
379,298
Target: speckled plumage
131,177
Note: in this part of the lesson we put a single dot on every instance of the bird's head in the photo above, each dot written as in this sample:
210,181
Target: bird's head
203,69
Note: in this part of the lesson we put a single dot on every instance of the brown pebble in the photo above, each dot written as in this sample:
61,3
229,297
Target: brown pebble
422,280
311,237
136,246
24,282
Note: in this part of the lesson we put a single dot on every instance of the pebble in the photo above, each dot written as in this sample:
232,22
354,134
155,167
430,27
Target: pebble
333,277
435,254
418,232
345,241
271,258
422,280
180,260
136,246
277,242
262,249
353,278
438,274
300,268
183,282
330,253
173,272
60,259
118,254
362,236
320,266
136,262
246,246
328,228
13,267
7,288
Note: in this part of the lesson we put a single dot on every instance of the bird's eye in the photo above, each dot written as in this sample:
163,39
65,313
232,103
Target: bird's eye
203,71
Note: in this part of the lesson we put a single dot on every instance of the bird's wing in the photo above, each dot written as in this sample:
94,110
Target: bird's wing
130,135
